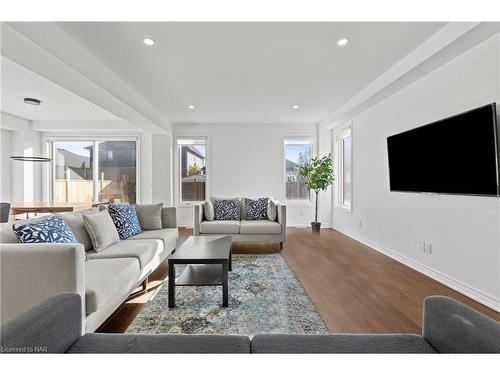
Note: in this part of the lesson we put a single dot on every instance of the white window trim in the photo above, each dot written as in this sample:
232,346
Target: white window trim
337,136
177,181
299,136
49,174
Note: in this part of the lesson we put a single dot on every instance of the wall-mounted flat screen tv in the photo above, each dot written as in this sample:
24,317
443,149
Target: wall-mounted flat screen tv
456,155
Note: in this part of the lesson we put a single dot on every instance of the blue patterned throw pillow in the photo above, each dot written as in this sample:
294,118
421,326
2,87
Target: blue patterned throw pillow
51,230
125,218
256,209
227,209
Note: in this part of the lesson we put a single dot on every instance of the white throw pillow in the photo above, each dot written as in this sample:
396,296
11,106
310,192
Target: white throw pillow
208,209
272,210
101,229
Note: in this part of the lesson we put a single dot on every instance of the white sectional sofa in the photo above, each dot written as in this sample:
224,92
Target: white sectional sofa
31,273
243,230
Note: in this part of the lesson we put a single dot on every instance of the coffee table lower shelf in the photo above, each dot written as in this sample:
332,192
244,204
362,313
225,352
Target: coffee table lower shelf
200,275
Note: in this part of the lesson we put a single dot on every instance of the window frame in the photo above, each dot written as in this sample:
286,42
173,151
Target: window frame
50,173
305,138
338,137
177,167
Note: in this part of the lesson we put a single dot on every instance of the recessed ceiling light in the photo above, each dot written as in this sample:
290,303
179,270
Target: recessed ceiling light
148,41
342,42
32,101
295,106
190,106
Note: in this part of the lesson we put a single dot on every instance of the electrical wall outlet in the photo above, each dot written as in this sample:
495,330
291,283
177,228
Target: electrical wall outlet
425,247
428,248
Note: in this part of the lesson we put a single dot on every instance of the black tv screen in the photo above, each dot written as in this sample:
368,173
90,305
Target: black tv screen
456,155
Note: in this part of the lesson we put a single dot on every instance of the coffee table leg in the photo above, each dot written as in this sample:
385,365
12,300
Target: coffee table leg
225,294
171,284
231,257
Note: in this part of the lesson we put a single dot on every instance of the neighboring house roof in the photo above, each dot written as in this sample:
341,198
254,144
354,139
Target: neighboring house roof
71,159
195,151
290,165
114,145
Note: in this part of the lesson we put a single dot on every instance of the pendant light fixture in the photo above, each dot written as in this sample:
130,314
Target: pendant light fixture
33,159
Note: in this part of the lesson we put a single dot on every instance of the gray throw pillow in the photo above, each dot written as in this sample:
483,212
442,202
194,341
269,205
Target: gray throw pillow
101,229
272,210
74,220
149,215
208,210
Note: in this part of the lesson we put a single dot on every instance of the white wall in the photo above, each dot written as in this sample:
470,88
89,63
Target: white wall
26,183
247,160
5,167
162,169
464,230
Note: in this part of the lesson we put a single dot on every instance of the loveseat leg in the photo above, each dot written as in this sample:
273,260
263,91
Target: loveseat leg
145,284
281,246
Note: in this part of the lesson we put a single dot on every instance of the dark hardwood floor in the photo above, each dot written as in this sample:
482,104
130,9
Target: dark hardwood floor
354,288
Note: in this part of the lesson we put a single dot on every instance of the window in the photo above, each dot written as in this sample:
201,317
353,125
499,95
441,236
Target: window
192,169
343,146
297,152
87,171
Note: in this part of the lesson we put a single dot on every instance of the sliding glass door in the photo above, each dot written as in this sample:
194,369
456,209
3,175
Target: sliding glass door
73,177
117,171
86,171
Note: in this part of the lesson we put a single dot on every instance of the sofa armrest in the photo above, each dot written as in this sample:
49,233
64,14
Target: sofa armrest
198,218
452,327
169,217
282,218
49,327
31,273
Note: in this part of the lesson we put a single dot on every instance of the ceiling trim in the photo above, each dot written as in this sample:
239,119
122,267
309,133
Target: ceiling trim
450,41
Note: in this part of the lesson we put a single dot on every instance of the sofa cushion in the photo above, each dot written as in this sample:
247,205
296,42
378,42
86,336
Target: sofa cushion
125,219
149,215
227,209
167,235
7,234
220,227
341,343
50,230
107,278
101,230
168,217
143,250
74,220
256,209
260,227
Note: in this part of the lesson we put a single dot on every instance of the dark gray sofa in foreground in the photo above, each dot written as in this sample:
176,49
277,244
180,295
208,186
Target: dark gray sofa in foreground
54,326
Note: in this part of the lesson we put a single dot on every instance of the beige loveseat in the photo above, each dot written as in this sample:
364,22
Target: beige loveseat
31,273
243,230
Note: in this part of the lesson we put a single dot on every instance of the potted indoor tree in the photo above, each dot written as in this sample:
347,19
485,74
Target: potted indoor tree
317,175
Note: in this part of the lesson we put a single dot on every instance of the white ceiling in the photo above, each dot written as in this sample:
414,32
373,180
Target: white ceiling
58,103
248,72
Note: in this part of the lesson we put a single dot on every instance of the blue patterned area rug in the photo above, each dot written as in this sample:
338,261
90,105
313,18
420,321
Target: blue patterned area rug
264,297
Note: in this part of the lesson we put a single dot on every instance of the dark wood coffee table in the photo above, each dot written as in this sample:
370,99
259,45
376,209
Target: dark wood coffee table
208,258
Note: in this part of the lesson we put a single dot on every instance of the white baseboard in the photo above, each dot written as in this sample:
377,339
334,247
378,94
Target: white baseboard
477,295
